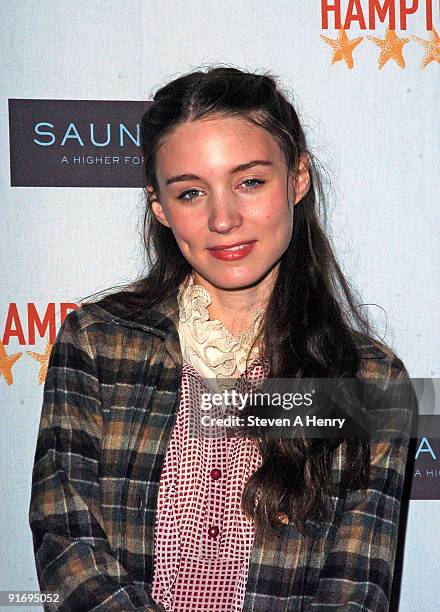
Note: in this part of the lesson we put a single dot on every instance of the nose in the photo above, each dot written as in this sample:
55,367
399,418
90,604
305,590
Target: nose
224,215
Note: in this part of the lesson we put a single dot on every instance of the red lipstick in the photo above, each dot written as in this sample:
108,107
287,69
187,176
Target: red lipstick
231,252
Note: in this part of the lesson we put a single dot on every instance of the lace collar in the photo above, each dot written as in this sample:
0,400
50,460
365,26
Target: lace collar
207,344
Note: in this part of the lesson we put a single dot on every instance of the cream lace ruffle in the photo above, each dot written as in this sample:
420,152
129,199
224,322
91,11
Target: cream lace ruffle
206,344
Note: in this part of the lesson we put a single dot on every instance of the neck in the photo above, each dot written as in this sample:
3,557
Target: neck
236,308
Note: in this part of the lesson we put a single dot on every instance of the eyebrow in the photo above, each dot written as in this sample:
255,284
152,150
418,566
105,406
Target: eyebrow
240,168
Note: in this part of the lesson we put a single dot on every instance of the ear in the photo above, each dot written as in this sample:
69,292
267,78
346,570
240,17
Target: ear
302,178
156,207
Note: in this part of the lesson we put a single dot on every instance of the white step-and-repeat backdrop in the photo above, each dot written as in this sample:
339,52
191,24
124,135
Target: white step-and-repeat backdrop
365,78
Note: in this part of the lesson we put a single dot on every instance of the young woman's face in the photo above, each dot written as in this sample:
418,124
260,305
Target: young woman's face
223,181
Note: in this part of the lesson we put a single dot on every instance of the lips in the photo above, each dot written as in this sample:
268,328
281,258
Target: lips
233,251
234,245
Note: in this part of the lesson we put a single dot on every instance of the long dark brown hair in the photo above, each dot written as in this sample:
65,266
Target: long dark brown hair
313,316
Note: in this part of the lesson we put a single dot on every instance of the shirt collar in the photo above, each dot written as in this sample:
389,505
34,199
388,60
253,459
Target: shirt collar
163,321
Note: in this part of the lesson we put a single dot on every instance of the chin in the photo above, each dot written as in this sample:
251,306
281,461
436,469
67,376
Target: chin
235,279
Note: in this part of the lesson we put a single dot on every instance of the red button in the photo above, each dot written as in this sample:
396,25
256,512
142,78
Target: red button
213,531
215,474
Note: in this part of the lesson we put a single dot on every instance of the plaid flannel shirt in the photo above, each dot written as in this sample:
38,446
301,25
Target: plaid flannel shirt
110,401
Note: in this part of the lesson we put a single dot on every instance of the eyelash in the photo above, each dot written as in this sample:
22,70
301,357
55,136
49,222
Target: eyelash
258,181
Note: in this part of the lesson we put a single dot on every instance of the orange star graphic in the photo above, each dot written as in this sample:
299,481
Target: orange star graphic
391,48
43,358
6,363
432,48
343,47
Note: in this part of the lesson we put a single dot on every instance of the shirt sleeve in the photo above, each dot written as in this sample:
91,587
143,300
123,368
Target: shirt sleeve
72,552
358,571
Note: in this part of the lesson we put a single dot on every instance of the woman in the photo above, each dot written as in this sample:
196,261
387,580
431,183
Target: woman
128,510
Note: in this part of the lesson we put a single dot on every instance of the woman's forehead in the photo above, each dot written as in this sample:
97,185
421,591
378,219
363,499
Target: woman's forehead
220,142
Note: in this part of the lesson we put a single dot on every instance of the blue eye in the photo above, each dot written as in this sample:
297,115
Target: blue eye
185,193
256,183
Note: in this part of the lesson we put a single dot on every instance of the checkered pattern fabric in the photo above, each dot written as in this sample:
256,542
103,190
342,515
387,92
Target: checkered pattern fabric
110,403
203,539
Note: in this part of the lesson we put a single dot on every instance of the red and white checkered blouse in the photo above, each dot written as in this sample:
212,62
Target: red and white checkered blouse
203,540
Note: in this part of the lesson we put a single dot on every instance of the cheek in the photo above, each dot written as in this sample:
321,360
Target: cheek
186,228
278,224
273,206
277,213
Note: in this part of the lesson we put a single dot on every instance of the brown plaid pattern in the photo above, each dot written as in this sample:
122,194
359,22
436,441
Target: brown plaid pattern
110,400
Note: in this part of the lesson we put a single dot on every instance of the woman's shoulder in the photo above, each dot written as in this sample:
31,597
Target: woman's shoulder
378,359
95,333
108,321
85,316
123,309
371,348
